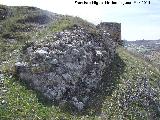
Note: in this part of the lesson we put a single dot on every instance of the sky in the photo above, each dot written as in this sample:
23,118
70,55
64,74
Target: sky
138,20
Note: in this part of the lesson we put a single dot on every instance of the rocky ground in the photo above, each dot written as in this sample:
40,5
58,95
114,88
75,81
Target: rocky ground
67,67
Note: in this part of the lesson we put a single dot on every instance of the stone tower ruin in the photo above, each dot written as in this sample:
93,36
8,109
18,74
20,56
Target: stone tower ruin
114,30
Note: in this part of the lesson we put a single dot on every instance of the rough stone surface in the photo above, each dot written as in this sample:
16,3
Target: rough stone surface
113,30
3,13
68,67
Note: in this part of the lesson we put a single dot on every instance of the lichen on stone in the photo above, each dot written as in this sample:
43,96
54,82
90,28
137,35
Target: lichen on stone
68,67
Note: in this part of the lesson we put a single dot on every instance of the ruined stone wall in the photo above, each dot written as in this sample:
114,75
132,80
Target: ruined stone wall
113,29
68,67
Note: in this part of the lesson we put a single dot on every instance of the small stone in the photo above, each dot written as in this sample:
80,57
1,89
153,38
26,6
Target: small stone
41,52
75,52
79,105
45,48
75,99
20,67
10,76
54,61
1,76
4,91
98,52
3,102
19,64
108,34
67,76
85,99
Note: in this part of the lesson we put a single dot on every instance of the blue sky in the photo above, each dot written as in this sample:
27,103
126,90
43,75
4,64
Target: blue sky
138,21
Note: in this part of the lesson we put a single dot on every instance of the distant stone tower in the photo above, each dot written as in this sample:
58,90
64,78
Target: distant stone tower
114,29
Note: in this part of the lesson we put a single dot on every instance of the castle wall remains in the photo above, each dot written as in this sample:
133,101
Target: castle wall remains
114,29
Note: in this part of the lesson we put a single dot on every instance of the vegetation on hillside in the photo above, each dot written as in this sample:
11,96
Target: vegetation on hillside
146,49
127,75
130,89
21,25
